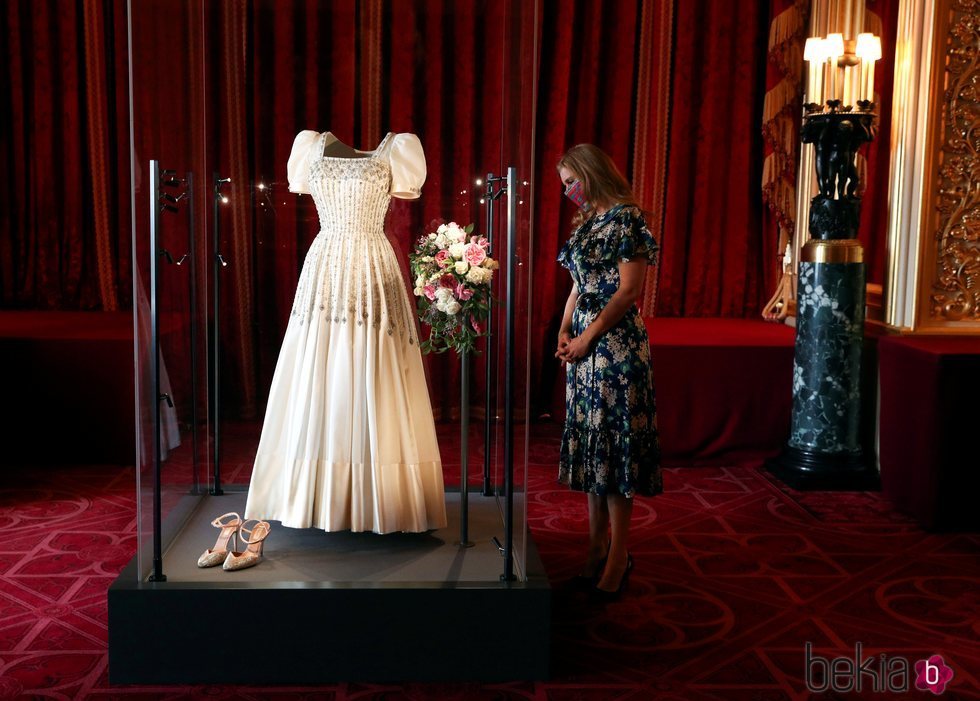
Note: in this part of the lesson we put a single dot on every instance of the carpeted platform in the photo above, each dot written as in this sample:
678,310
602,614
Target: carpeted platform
734,574
72,370
930,387
724,387
68,367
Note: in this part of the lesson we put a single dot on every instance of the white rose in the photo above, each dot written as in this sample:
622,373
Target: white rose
442,241
418,291
474,275
442,228
461,267
420,281
444,294
456,250
453,307
432,237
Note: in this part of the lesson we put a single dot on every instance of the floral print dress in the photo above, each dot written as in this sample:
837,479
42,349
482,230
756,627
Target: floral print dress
610,443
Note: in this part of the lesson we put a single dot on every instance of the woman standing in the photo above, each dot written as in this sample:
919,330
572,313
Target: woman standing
610,448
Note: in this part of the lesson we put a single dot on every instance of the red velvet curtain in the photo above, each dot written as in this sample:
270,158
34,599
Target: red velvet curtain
715,248
873,230
64,149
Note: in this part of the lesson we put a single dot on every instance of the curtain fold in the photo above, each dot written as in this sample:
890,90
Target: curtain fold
652,125
60,230
782,107
714,247
881,18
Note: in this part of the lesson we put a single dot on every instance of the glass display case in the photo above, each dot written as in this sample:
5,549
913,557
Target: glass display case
218,93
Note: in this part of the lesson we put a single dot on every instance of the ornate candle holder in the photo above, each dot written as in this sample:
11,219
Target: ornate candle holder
824,448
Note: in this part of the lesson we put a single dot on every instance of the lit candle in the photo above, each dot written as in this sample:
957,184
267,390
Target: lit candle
869,51
835,49
864,79
813,54
871,81
876,54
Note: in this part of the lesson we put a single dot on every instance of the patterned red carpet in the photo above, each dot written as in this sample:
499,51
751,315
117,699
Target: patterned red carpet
734,575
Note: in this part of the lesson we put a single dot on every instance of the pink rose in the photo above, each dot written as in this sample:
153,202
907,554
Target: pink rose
448,280
442,258
474,254
484,243
462,292
430,291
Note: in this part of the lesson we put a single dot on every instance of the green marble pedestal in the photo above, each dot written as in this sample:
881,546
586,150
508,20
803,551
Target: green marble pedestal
824,448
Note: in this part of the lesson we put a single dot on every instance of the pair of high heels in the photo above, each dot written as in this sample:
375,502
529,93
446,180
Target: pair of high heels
605,596
231,527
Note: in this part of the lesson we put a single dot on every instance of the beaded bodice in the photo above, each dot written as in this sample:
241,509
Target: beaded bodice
351,194
351,274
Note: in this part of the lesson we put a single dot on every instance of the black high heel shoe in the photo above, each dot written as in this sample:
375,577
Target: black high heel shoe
603,596
585,582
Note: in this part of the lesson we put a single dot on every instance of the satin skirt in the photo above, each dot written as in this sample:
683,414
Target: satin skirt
348,441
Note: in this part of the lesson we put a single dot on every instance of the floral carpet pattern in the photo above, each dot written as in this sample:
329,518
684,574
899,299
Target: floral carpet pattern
734,575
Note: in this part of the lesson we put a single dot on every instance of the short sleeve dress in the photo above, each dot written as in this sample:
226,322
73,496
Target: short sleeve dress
610,443
348,441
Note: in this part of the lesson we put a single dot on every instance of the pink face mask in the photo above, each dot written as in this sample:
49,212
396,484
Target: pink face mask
575,193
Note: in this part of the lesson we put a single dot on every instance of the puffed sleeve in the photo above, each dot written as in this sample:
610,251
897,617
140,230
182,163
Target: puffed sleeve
298,166
407,167
632,238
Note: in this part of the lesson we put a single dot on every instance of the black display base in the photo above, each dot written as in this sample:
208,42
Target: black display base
209,627
811,471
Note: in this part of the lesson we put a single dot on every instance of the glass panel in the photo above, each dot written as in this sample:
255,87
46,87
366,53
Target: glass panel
166,125
359,70
519,52
225,112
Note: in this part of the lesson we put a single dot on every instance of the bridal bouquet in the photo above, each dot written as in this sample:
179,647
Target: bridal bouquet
452,281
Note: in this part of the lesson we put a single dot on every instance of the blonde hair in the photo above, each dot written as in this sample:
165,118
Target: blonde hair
603,185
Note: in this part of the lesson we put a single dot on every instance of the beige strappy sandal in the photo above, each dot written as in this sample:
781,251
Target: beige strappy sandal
229,530
253,553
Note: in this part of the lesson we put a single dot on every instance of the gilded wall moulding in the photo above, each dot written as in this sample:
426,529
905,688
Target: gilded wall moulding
956,284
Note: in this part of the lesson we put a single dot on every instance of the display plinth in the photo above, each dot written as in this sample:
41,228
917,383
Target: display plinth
368,624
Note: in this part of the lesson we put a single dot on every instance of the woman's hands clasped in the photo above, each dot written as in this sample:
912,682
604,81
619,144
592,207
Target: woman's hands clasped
571,349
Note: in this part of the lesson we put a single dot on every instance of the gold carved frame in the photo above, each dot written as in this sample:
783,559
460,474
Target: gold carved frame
933,277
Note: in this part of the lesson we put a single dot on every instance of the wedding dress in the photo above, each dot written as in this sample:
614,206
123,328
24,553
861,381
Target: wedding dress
348,440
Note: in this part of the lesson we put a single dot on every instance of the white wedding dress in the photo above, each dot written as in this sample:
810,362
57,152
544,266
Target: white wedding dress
349,440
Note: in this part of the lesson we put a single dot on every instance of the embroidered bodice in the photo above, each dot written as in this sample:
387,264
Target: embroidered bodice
352,273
